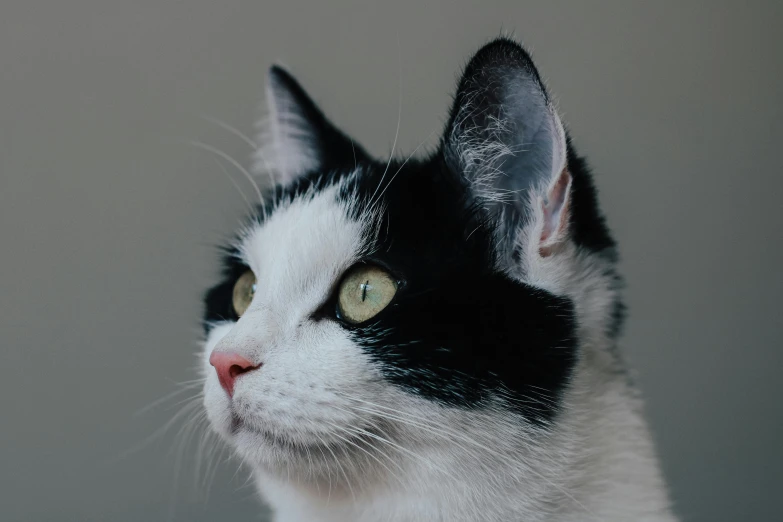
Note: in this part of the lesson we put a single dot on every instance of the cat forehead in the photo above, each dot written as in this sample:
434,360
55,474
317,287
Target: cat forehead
314,235
407,215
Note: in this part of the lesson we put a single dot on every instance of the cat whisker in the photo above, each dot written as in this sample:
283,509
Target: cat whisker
354,431
455,435
198,380
233,182
195,402
374,201
423,423
390,443
339,465
232,161
328,470
184,436
154,404
210,452
312,469
352,462
233,130
399,119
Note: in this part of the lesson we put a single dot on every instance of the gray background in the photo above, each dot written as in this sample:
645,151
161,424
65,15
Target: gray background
107,221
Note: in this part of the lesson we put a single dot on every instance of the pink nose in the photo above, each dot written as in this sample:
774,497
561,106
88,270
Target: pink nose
229,366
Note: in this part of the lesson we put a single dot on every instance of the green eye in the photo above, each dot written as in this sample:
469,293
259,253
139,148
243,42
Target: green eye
244,290
364,292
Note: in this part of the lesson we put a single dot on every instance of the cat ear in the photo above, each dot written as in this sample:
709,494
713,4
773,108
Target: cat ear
505,137
298,139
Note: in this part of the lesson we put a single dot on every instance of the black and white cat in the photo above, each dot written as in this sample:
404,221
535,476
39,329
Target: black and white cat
430,339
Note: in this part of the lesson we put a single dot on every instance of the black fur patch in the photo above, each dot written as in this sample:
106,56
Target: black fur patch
459,331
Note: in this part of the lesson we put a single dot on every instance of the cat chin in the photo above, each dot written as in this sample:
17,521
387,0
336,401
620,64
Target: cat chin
310,457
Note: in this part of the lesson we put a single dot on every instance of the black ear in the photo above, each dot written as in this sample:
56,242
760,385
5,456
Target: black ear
505,137
298,139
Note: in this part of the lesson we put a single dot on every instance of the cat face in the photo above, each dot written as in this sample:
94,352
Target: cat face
389,305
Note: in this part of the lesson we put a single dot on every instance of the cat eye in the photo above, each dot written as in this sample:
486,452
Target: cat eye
244,290
364,292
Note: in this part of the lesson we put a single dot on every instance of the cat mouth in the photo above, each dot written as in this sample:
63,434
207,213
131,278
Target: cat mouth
366,439
269,437
239,425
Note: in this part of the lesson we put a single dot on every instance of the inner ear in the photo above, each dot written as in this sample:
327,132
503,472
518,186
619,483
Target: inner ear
555,214
298,139
504,135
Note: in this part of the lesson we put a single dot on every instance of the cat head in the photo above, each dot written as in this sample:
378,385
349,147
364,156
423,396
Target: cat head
375,306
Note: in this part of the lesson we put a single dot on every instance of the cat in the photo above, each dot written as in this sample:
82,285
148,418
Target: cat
429,339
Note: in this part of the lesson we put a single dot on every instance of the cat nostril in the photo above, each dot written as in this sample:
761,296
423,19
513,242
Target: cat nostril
236,369
229,366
